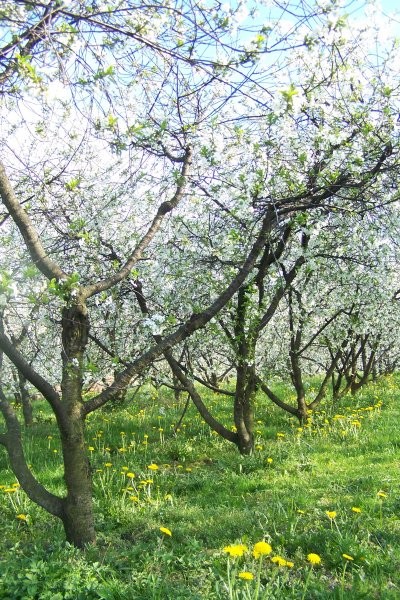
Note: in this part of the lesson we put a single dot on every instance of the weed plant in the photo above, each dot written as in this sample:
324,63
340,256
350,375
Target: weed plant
181,514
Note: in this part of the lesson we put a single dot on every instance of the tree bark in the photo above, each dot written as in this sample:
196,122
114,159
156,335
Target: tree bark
243,407
22,397
77,517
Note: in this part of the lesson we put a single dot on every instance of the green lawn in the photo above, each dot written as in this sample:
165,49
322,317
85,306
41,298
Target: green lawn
199,489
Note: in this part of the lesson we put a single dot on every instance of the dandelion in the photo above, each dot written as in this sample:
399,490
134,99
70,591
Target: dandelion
153,467
270,460
108,465
22,517
280,435
314,559
280,561
331,514
235,549
381,494
246,575
91,448
356,509
301,512
131,475
261,549
347,557
166,531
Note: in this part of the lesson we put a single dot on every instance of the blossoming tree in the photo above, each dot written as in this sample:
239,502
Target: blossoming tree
123,126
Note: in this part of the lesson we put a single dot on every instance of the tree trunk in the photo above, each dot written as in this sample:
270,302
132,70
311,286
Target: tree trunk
77,515
243,408
25,400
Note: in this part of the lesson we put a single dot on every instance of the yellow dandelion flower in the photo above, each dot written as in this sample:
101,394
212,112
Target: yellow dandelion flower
347,557
235,549
125,468
314,559
289,564
270,460
166,531
153,467
301,512
246,575
130,474
261,549
279,560
108,465
133,498
280,435
331,514
90,448
22,517
356,509
381,494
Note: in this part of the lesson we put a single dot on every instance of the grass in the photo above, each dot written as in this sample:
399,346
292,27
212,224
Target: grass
345,463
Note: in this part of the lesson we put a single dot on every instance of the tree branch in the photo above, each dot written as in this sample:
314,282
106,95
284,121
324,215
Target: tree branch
48,267
195,322
163,210
31,375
